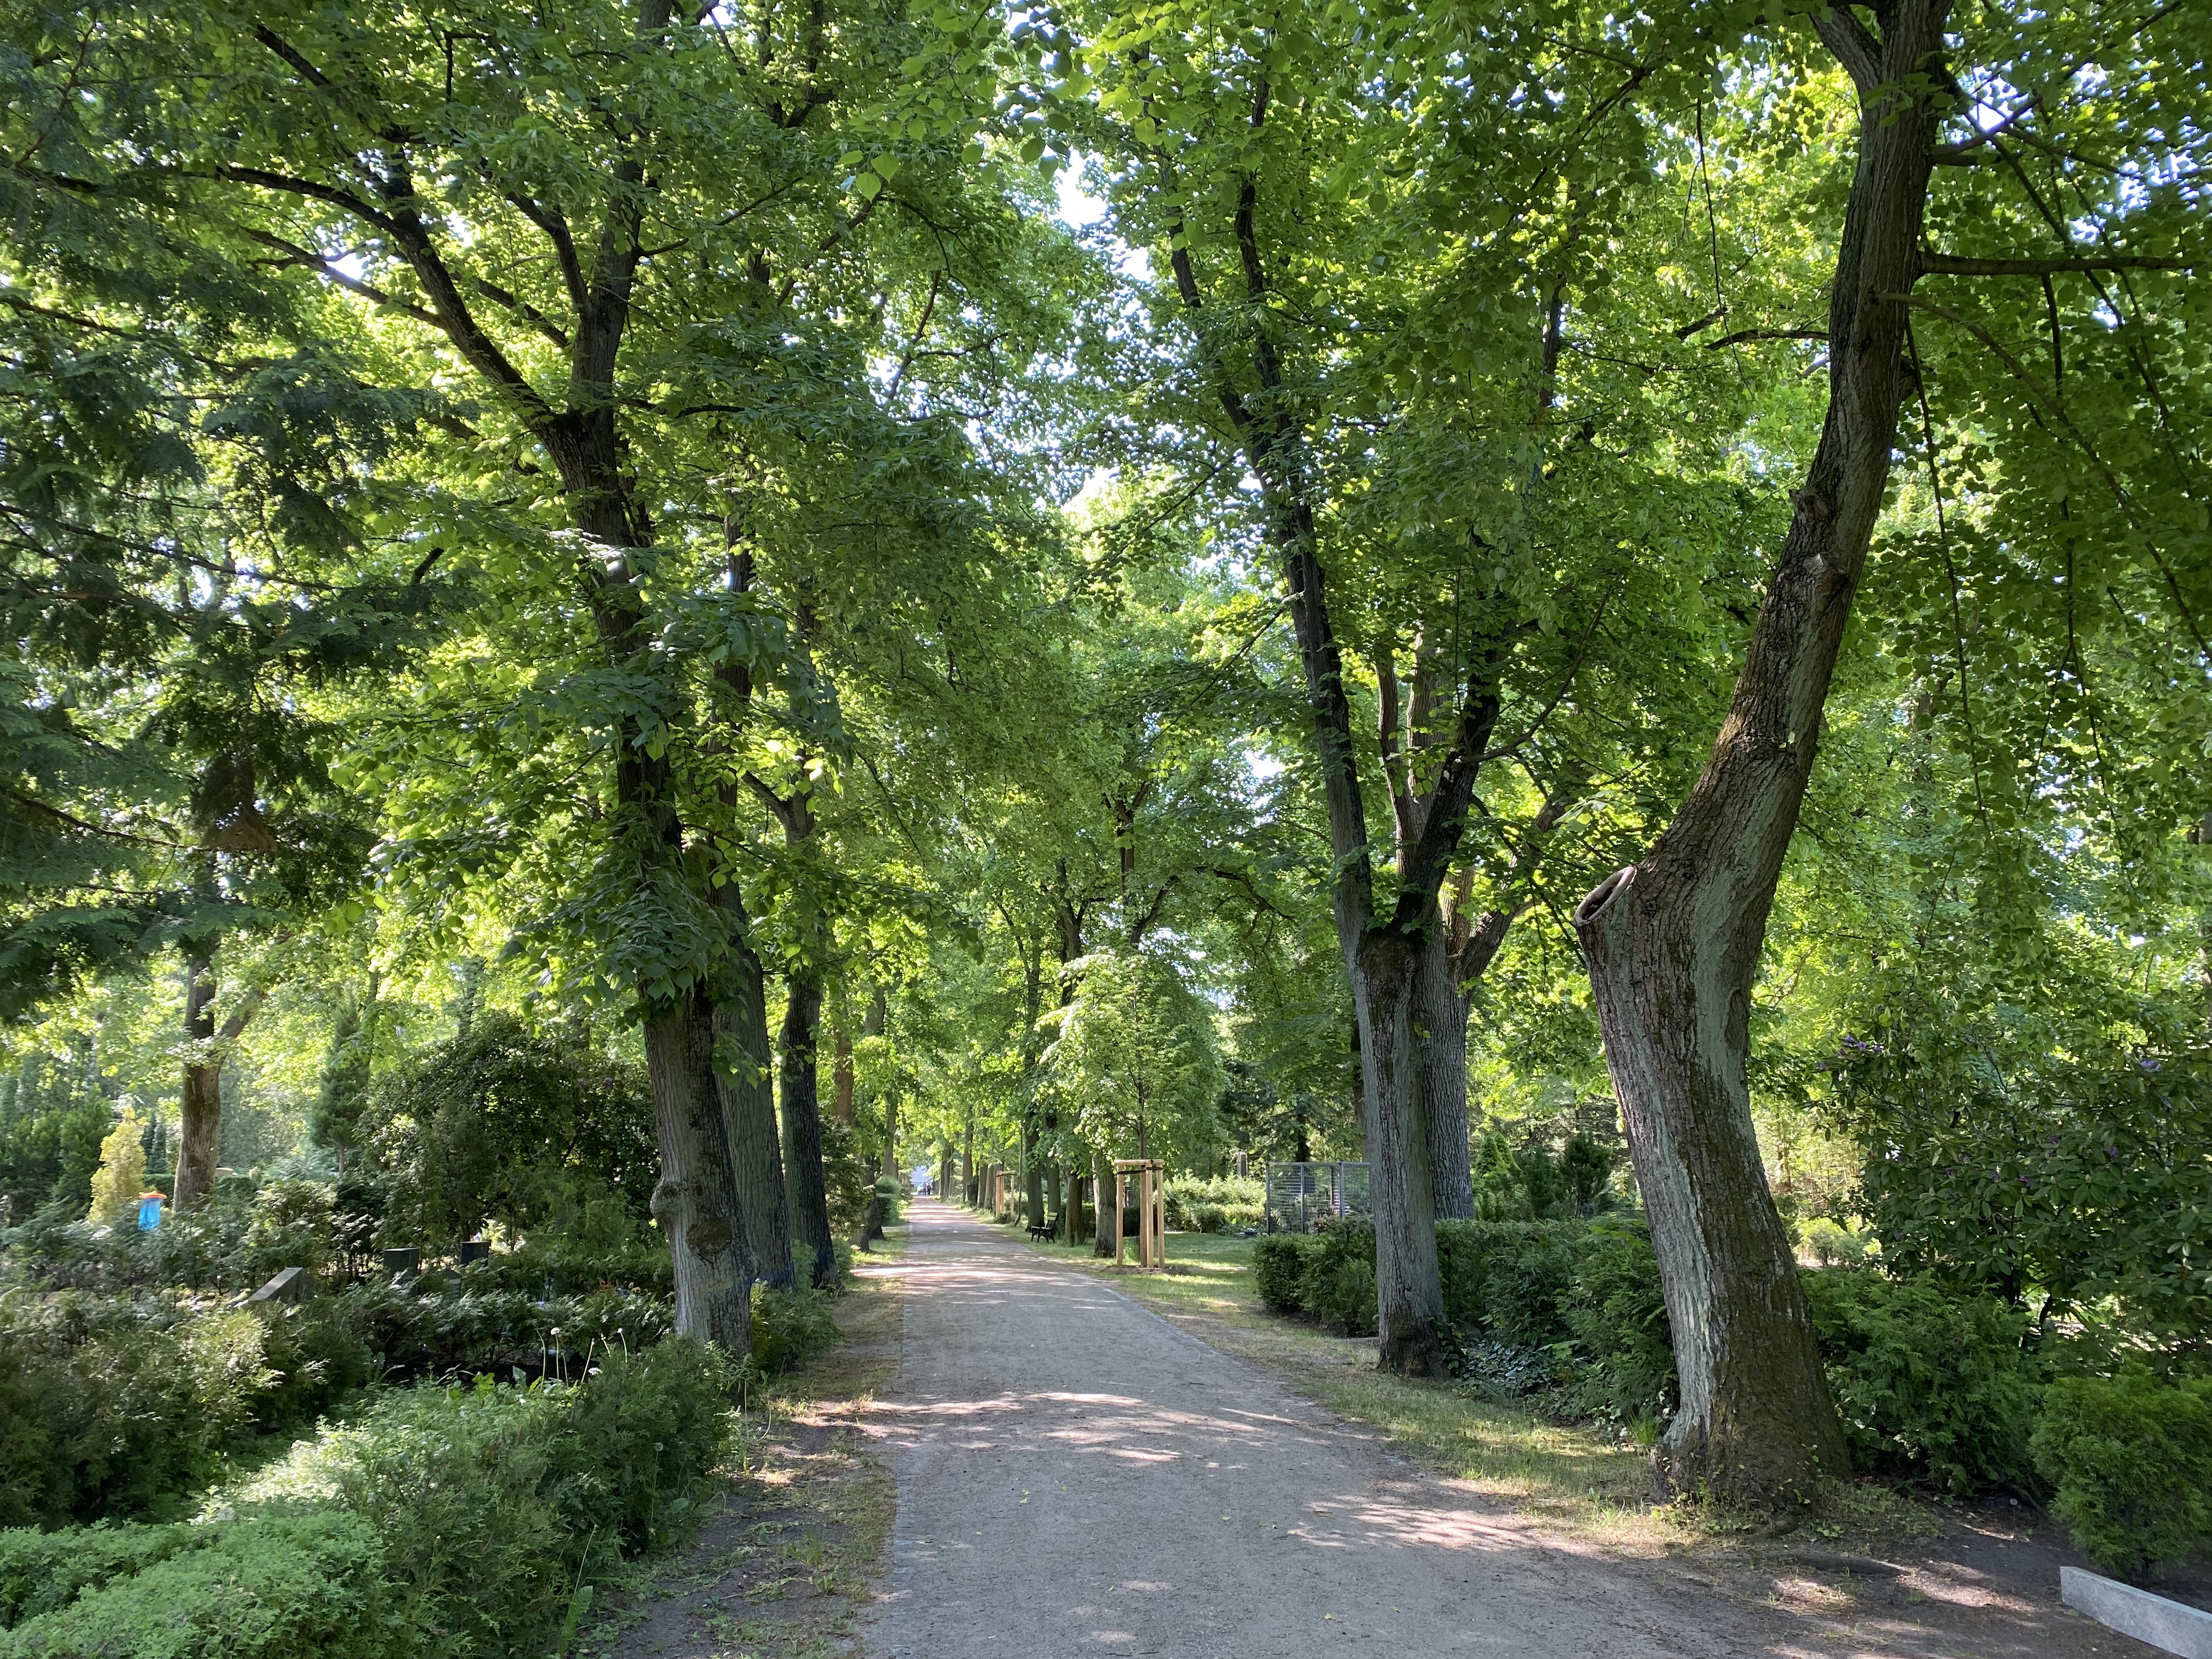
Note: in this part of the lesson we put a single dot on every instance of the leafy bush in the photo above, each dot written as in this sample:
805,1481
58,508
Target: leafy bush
789,1324
1617,1312
1531,1184
2087,1181
49,1143
1507,1277
245,1232
500,1121
1329,1275
1339,1287
42,1570
1928,1383
2131,1459
316,1355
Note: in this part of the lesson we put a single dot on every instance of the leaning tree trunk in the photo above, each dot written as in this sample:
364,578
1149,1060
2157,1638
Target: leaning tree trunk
743,1076
696,1200
1440,1011
802,1131
1674,942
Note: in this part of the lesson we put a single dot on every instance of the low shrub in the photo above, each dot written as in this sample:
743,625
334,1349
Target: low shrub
1329,1275
2130,1458
113,1405
1617,1313
1220,1204
1339,1286
1929,1383
445,1523
42,1570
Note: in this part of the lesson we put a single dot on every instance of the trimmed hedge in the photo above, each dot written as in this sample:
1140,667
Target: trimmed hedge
1573,1306
446,1522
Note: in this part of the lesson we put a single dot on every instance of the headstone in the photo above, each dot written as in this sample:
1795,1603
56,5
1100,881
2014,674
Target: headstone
291,1285
475,1249
2171,1627
407,1259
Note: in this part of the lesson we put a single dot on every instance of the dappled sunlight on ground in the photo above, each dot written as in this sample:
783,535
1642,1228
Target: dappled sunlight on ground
1066,1444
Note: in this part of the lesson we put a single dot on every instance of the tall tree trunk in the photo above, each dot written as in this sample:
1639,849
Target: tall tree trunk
199,1111
1674,942
1409,1297
1455,955
694,1201
802,1129
840,1071
743,1076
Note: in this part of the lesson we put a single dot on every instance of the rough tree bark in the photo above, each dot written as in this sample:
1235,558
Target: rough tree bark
199,1107
798,1062
1674,941
841,1105
692,1201
744,1073
1455,953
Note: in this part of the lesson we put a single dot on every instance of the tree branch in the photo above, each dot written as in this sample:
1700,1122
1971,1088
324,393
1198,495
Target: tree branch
1859,52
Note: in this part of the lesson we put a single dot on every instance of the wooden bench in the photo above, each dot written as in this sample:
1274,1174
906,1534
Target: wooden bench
1043,1229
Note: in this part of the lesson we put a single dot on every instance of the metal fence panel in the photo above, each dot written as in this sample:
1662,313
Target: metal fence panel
1301,1196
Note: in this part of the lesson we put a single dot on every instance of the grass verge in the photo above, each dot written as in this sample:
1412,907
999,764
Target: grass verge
799,1520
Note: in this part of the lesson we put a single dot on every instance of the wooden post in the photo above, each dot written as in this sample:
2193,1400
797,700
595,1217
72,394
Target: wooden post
1120,1239
1160,1220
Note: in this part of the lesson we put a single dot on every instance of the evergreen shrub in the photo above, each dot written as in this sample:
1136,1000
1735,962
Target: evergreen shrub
788,1325
2130,1458
1929,1383
1278,1269
112,1406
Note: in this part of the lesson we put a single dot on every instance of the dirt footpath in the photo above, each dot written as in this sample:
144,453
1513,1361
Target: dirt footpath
1077,1475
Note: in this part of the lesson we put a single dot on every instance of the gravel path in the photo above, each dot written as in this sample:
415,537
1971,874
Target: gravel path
1077,1475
